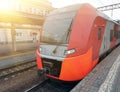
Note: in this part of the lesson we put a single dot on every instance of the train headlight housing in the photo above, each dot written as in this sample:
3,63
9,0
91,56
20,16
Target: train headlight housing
67,52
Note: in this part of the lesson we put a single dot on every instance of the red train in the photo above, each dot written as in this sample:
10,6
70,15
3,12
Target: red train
72,41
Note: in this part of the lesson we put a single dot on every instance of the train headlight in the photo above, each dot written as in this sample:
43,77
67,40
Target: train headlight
67,52
40,49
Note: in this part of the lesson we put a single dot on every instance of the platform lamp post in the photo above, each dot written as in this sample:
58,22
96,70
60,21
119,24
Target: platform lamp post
13,34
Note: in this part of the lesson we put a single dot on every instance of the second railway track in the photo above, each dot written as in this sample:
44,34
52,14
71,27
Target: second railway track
16,69
49,85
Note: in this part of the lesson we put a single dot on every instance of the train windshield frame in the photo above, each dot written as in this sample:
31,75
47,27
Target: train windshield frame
57,26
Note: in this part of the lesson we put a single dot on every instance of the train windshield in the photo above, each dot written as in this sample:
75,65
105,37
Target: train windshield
57,26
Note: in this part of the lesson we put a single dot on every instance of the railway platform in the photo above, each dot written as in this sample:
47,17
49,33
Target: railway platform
16,58
105,77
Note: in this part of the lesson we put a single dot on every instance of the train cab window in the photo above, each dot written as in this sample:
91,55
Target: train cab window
99,33
56,27
111,35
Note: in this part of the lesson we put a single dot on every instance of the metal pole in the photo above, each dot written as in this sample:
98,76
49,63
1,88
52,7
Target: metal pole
13,33
112,13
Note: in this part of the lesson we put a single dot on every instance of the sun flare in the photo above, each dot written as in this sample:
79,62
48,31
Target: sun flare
6,5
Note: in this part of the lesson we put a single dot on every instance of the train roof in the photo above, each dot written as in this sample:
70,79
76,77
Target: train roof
76,7
69,8
106,17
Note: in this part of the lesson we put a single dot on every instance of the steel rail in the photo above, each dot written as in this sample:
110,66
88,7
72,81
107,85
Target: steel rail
16,69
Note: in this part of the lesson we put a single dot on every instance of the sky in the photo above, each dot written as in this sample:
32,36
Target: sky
96,3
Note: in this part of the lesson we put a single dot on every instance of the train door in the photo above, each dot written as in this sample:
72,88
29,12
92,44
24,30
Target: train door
118,34
107,37
105,43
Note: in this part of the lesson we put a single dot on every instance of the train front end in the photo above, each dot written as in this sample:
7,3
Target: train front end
54,41
59,55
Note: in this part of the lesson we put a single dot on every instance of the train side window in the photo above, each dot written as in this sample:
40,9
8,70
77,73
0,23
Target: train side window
116,34
119,34
99,33
111,35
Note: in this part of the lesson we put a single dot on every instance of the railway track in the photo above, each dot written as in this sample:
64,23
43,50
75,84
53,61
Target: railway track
16,69
49,85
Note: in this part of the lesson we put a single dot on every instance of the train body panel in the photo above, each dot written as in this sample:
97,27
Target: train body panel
96,36
71,49
76,68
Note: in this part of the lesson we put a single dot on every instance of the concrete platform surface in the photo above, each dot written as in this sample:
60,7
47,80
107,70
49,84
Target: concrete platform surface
105,77
16,58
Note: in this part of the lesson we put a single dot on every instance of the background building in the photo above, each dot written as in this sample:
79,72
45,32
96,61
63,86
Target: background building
20,23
